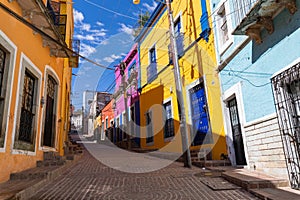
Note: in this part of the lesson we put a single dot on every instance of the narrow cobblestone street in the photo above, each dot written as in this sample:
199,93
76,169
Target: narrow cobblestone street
90,179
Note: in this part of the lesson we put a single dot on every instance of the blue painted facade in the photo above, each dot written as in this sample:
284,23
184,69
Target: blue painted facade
255,64
246,63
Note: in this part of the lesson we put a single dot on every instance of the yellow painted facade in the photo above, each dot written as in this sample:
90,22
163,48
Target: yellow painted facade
196,65
28,53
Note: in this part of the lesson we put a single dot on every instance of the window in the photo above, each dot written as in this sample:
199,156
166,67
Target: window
106,123
223,27
131,68
152,55
177,27
169,124
2,93
149,125
286,90
27,117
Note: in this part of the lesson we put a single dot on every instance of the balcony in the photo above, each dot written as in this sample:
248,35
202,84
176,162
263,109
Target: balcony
74,58
132,80
254,15
48,20
180,47
151,72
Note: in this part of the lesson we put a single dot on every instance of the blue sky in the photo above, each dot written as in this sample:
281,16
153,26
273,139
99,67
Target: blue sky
104,28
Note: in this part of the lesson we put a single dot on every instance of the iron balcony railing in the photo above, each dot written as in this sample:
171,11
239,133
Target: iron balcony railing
74,59
180,47
151,72
58,19
241,8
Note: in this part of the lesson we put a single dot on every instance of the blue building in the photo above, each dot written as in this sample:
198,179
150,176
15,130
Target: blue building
258,45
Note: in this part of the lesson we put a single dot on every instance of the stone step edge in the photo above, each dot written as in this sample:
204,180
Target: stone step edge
28,192
255,184
267,195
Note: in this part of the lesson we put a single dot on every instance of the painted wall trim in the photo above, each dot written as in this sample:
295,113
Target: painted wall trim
12,49
34,69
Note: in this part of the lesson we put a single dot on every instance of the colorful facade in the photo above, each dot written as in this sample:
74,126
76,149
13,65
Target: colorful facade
107,120
35,76
258,70
127,90
197,61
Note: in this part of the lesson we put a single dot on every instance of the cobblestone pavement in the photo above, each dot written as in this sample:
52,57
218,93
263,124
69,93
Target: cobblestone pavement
90,179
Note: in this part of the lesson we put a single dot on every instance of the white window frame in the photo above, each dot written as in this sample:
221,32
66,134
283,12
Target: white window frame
223,47
179,16
50,71
26,63
170,99
11,48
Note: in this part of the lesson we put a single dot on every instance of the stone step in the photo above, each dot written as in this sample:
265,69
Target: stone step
42,163
253,180
276,194
33,173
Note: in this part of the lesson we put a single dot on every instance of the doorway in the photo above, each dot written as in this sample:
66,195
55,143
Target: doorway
236,132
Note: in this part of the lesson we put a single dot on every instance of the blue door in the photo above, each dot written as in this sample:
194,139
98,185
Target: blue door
199,113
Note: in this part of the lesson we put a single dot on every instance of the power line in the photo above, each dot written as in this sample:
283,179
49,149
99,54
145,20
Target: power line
36,29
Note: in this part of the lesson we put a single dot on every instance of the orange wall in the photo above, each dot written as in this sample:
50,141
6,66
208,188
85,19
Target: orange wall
31,45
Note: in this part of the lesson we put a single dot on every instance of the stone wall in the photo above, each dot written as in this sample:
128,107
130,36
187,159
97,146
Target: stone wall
265,148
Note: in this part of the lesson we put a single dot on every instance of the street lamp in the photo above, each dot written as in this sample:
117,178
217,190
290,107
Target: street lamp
178,82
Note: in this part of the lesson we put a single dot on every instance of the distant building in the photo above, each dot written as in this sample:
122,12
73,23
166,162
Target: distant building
127,88
77,119
100,99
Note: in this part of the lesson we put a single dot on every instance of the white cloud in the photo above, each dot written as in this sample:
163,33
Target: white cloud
85,37
85,27
149,7
99,23
78,16
111,58
126,29
86,50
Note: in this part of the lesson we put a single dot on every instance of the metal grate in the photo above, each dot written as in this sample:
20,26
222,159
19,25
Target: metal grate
27,110
286,90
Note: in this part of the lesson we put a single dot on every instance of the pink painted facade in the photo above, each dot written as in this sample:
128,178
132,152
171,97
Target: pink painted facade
132,76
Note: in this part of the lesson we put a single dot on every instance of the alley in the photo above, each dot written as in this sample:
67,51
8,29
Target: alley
90,179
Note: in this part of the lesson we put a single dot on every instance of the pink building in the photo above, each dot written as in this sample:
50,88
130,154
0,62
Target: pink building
127,82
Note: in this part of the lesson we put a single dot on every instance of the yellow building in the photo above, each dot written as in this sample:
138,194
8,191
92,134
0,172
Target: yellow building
35,80
201,89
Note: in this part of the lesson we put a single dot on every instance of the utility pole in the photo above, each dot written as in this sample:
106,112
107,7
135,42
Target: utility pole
178,82
124,84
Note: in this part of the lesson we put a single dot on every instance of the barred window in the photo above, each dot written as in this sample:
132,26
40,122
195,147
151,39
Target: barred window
169,124
27,109
286,90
